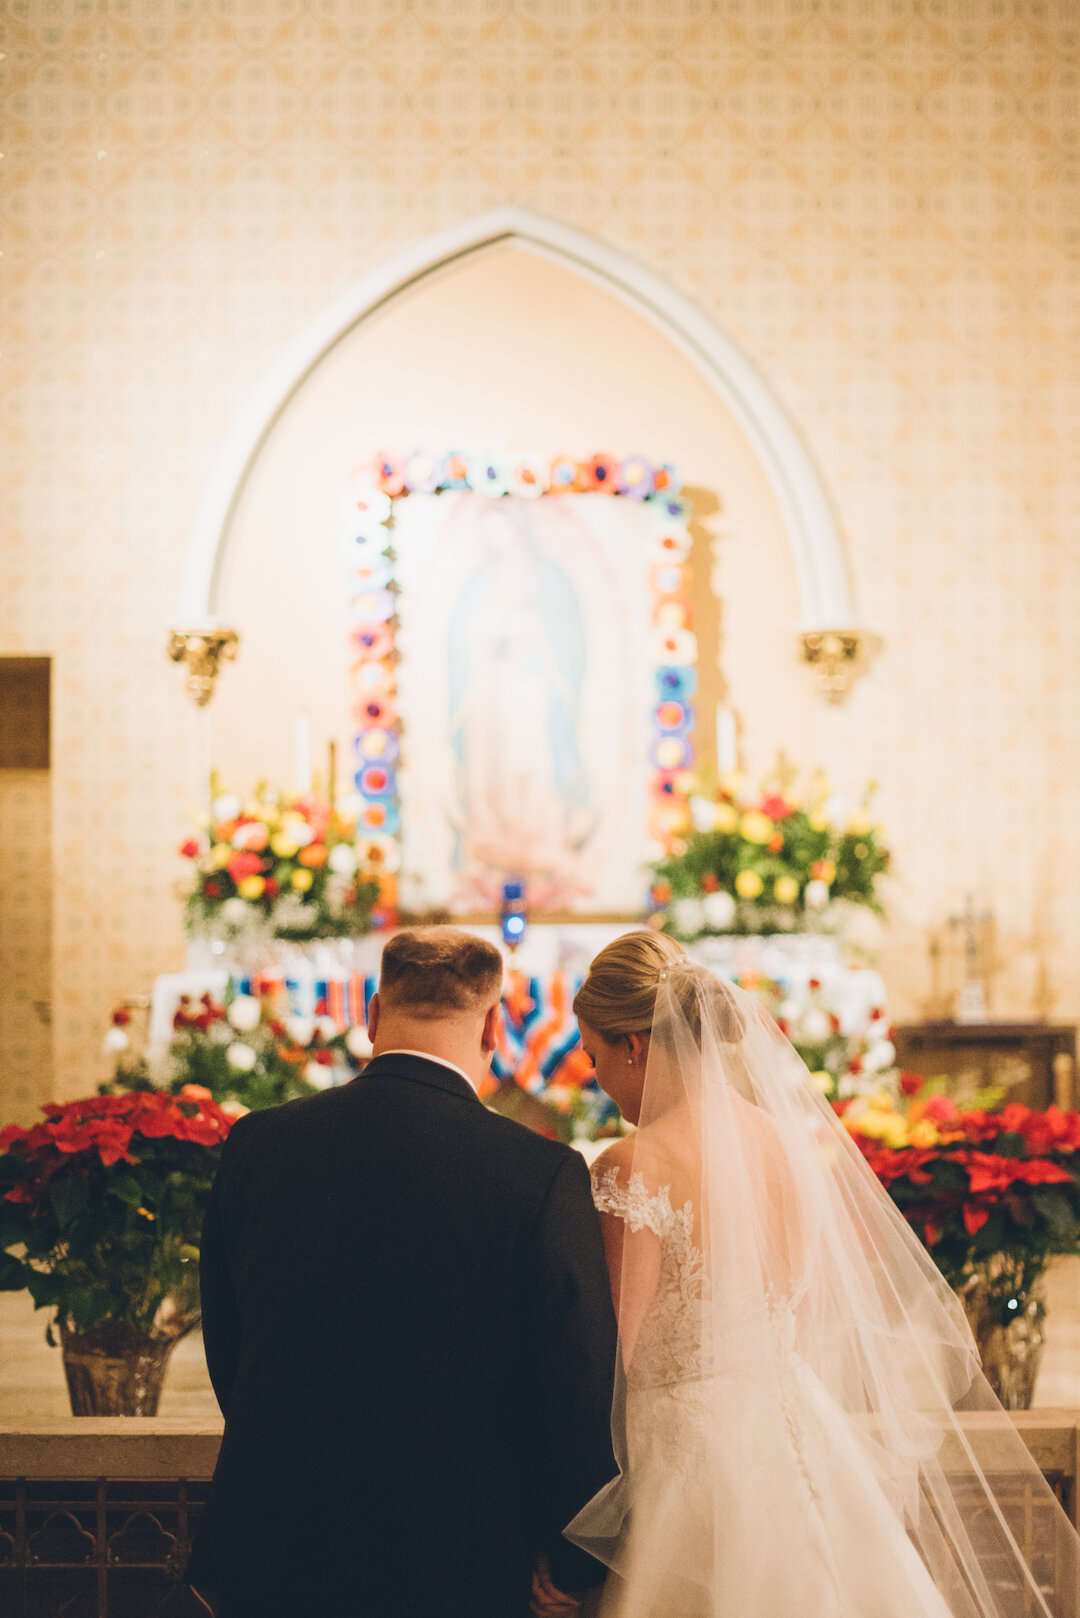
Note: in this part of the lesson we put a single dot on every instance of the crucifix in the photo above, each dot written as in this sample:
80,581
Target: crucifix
972,1005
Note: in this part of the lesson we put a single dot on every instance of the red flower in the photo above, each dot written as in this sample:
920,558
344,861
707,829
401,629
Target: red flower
271,888
121,1017
324,1058
212,889
709,883
814,985
941,1110
911,1083
974,1217
190,849
776,807
600,474
855,1065
243,864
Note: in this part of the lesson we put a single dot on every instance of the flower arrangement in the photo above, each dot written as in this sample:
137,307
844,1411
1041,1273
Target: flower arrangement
769,863
101,1208
993,1194
844,1061
289,866
249,1052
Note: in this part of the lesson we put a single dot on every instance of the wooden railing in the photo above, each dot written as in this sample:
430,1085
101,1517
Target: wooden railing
98,1514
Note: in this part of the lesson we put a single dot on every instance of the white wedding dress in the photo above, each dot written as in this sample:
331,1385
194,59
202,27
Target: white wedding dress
790,1363
681,1414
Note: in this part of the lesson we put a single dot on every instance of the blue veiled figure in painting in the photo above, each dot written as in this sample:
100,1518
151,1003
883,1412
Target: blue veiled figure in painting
517,657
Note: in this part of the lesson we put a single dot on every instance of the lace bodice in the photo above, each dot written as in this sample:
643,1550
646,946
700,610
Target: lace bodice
670,1342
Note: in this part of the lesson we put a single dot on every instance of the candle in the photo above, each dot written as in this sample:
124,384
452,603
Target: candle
303,753
331,788
727,741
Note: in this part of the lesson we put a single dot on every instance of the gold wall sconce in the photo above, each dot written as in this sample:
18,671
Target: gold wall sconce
204,651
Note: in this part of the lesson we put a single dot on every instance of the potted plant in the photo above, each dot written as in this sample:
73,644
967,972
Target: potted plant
994,1194
101,1209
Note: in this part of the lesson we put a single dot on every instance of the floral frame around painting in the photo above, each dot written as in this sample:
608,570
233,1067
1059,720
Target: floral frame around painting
383,702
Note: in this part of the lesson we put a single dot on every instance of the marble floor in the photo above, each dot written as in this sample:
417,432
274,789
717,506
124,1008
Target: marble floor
32,1378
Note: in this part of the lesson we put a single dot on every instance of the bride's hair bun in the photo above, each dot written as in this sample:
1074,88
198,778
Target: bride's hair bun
619,993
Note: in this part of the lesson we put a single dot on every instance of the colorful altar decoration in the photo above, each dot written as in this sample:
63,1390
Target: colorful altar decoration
375,629
768,863
272,866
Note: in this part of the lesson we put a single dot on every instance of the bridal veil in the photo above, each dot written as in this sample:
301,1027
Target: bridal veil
792,1364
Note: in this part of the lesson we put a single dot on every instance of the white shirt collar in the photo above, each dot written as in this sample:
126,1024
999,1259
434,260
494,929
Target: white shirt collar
426,1056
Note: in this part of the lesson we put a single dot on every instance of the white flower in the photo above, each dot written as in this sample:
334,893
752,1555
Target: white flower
357,1042
816,895
719,909
822,1082
880,1056
233,1108
115,1041
241,1057
703,813
342,859
252,831
688,915
301,1030
791,1011
227,807
234,911
815,1027
244,1013
318,1076
327,1027
299,832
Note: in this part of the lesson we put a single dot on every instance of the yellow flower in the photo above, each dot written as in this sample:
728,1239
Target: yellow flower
748,885
251,887
822,1081
786,890
727,817
819,822
923,1133
302,879
895,1133
732,783
146,1213
756,827
859,825
283,845
220,855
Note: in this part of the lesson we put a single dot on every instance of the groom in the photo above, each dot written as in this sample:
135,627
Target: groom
409,1330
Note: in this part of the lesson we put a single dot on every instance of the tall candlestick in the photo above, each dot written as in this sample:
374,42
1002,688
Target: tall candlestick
331,777
727,741
303,753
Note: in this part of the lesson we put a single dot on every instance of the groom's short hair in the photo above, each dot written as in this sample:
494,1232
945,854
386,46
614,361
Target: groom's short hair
435,970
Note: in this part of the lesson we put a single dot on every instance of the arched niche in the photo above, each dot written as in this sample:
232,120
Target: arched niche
508,343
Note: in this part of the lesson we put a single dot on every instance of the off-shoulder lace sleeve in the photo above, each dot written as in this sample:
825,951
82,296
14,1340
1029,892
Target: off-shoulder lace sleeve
631,1202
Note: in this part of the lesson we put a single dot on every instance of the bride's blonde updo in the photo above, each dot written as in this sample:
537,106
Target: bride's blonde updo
619,993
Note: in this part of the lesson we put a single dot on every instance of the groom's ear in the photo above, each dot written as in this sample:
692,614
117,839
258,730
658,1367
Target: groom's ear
489,1039
373,1016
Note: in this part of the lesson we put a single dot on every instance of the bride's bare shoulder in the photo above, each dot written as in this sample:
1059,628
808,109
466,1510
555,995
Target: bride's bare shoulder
618,1157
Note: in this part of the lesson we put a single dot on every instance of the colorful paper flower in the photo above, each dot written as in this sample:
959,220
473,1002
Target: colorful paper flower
367,508
675,646
600,475
671,544
670,507
375,712
390,473
675,684
674,717
491,475
378,853
373,607
455,470
666,479
635,477
371,679
673,614
530,475
423,472
373,641
672,753
564,474
378,781
373,572
376,747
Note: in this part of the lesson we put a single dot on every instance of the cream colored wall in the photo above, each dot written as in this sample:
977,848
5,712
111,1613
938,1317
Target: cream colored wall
876,199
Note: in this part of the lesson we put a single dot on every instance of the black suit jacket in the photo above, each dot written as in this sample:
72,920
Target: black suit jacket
409,1330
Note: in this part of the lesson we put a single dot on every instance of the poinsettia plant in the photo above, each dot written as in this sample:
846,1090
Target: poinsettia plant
991,1193
769,862
101,1208
289,866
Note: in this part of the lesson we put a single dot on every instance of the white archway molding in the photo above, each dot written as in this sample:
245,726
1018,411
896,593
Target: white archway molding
821,571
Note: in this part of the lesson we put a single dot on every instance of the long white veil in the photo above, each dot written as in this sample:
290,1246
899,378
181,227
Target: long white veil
791,1365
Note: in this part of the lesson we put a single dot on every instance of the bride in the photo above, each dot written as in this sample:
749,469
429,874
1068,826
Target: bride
790,1358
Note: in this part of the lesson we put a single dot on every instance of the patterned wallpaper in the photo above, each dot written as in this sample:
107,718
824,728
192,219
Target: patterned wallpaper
878,199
